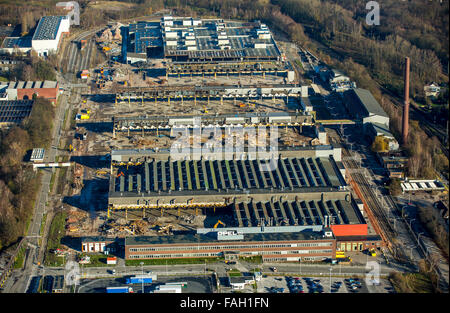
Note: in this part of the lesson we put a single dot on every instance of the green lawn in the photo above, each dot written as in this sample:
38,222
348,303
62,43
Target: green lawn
72,120
97,260
234,273
55,234
20,258
61,179
173,261
52,181
411,283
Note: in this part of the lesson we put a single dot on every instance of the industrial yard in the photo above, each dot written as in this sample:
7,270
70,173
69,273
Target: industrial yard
198,142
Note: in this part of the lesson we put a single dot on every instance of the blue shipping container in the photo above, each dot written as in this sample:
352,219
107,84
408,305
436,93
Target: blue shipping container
118,289
138,280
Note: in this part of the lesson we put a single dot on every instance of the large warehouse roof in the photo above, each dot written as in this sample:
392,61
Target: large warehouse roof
176,176
47,28
369,103
29,84
191,238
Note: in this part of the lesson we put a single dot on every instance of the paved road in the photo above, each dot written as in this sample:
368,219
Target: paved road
20,279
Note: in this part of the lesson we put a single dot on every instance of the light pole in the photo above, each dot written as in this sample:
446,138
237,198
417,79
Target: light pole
418,237
330,277
403,207
142,278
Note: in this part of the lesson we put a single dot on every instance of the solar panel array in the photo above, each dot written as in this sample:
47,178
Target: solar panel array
47,28
21,42
14,111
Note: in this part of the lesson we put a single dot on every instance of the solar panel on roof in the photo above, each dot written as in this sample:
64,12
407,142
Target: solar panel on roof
47,28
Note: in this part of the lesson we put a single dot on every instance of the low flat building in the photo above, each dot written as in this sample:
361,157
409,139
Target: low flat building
309,246
37,155
394,163
25,90
239,282
414,185
358,243
16,45
377,129
98,244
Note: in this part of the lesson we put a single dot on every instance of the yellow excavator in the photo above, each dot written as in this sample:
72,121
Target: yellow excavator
219,222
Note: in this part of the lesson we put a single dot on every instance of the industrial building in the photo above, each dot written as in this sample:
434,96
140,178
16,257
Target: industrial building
394,163
181,93
193,40
309,246
25,90
366,109
207,47
16,44
45,40
146,179
301,210
159,123
13,112
48,33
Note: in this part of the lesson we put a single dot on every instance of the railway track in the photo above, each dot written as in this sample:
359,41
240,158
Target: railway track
374,209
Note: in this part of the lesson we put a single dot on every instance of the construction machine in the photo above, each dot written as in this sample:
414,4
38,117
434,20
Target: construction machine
219,222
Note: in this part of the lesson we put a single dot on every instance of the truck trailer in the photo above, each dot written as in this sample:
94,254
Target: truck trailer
119,290
139,279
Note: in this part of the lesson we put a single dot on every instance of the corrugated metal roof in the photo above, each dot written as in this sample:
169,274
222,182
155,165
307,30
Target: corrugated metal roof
369,102
383,129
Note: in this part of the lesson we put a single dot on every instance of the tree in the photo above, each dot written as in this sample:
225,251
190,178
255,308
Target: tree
380,144
394,186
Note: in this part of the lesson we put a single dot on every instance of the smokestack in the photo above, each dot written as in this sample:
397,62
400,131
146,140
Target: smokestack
405,124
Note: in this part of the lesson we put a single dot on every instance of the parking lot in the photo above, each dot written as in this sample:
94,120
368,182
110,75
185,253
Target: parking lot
194,284
272,284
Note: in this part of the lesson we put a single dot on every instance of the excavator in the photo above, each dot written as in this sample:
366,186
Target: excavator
219,222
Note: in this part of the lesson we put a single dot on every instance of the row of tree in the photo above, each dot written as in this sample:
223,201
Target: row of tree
18,182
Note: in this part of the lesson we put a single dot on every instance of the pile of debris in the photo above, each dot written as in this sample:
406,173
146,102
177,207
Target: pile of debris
137,227
77,184
111,33
166,230
75,220
187,218
142,142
